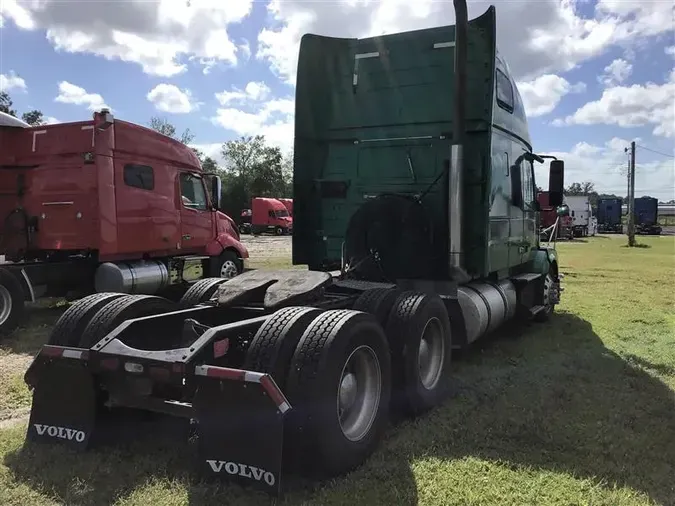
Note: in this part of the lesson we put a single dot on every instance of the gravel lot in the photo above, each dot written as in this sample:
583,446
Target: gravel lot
268,250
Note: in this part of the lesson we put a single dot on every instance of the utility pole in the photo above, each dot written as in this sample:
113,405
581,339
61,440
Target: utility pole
631,196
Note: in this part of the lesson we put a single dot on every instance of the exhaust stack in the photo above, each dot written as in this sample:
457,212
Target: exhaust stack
456,176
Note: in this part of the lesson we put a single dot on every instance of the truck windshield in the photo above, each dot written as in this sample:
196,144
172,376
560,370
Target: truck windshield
281,214
192,191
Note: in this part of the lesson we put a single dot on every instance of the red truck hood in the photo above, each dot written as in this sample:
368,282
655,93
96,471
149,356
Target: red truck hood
226,224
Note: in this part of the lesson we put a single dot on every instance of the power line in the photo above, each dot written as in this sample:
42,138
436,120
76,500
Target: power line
655,151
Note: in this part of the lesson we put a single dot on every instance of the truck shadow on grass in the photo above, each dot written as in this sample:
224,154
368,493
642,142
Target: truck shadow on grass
29,337
552,399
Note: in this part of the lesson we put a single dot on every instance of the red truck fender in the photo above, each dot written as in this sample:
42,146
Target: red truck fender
226,241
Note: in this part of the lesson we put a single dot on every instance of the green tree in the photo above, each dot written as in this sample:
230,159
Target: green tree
209,165
33,118
253,169
6,104
585,188
163,126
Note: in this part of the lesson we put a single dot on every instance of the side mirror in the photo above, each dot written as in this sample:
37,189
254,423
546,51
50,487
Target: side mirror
563,210
216,191
556,183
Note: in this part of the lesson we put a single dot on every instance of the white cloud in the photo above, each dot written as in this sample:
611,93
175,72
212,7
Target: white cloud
631,106
245,49
254,91
670,50
558,38
10,9
251,111
11,81
543,94
170,98
51,120
157,35
72,94
606,166
213,149
616,72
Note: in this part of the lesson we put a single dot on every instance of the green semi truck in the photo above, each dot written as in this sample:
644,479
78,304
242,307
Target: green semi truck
415,209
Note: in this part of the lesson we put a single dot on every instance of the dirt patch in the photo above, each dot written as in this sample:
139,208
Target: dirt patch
268,246
266,252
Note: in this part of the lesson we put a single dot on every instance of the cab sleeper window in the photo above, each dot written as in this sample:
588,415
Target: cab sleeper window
139,176
192,191
504,91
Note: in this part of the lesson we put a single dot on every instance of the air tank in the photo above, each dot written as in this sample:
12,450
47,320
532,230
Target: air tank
143,276
486,306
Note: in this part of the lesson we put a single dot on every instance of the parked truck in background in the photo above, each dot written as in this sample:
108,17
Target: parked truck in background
581,213
288,203
609,215
646,212
270,216
245,218
105,206
434,251
548,217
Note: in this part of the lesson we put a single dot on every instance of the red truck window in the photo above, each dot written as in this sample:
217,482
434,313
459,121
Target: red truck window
192,191
139,176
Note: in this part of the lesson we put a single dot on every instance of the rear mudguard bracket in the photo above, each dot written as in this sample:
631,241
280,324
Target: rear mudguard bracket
240,426
64,405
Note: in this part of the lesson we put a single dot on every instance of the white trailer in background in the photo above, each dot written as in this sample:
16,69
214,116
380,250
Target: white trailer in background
581,213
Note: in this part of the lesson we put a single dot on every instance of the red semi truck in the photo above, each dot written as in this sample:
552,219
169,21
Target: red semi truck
547,217
270,215
288,203
105,206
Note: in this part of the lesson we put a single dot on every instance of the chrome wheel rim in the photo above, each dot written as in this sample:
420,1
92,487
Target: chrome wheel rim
228,270
431,354
5,304
358,395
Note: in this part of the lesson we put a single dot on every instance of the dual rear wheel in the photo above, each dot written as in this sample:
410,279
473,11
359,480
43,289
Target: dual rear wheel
344,371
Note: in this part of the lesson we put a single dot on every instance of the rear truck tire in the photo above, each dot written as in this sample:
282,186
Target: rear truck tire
201,291
339,385
378,302
12,302
70,326
420,340
272,348
117,311
227,265
550,297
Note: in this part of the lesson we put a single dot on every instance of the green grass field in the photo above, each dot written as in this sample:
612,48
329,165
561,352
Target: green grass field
578,411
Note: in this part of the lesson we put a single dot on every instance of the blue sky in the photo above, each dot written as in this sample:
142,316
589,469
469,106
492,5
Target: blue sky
594,74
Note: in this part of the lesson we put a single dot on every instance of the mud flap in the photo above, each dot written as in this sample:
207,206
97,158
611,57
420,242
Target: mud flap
64,406
240,429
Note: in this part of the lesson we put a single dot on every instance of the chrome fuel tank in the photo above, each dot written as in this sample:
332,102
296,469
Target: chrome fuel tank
485,306
143,277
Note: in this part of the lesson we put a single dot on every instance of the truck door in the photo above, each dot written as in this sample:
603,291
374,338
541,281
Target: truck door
529,211
196,218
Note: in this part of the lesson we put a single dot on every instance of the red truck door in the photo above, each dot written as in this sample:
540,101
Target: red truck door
196,217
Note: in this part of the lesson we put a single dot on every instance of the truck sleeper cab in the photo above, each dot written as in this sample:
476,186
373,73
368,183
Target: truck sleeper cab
106,205
270,216
646,212
391,176
609,215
